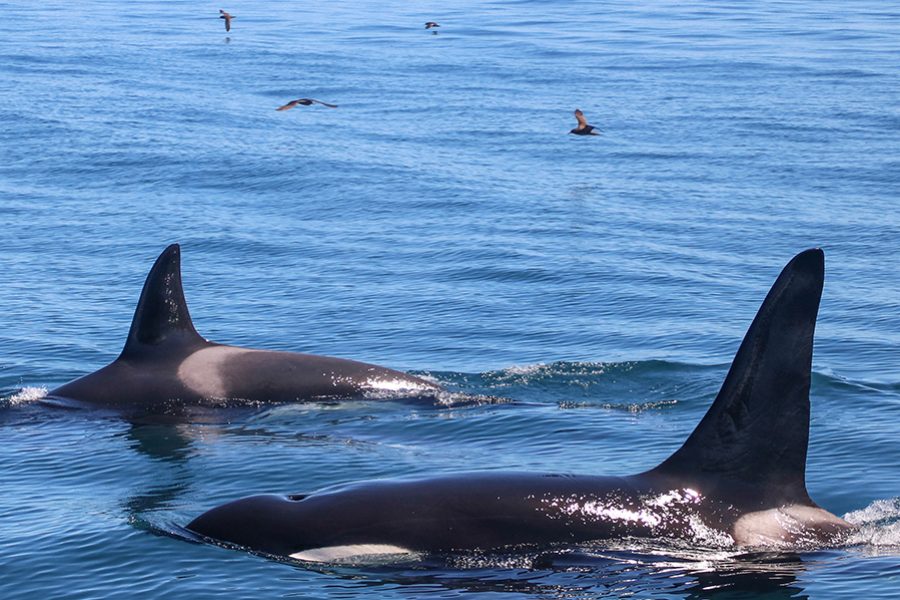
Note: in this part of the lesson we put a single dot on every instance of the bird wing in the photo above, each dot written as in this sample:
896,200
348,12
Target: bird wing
325,104
288,106
228,23
579,116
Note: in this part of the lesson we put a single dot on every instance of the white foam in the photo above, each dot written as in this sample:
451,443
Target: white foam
708,537
524,369
27,395
878,524
354,551
877,535
879,510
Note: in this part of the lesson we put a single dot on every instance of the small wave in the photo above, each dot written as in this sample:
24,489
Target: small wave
634,408
633,387
519,374
524,374
27,395
449,399
567,374
830,377
878,523
439,397
524,369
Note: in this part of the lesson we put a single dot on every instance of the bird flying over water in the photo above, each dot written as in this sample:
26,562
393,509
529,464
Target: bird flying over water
583,127
227,17
431,24
304,102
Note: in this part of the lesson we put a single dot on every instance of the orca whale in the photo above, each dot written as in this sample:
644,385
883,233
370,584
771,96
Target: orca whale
738,479
165,363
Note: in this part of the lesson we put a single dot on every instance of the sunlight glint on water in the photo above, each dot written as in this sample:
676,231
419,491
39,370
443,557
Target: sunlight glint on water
589,293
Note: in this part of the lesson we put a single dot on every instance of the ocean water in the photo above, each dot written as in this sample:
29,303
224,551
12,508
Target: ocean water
441,221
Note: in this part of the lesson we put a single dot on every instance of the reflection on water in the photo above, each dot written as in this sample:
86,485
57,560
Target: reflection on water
593,574
440,220
166,442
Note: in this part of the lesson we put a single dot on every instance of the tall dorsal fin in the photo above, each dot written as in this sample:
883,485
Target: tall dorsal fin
162,316
757,430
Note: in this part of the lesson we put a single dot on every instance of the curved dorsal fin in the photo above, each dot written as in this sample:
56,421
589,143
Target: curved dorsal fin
757,430
162,316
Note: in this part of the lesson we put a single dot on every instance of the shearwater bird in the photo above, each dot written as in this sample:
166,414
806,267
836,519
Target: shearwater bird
304,102
227,17
583,127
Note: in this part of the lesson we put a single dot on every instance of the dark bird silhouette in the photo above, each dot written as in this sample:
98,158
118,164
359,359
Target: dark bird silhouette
583,127
431,24
227,17
304,102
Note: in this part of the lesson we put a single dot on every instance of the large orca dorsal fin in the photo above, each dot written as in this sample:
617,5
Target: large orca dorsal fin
161,316
757,430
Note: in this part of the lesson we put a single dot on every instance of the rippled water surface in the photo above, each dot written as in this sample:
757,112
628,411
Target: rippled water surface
441,221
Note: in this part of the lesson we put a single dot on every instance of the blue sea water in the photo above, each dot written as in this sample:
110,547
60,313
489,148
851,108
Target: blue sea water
442,221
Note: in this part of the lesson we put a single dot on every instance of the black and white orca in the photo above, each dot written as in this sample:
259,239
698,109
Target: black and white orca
740,476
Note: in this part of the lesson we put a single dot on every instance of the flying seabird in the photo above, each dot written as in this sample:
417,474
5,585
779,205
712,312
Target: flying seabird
431,24
304,102
227,17
583,127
